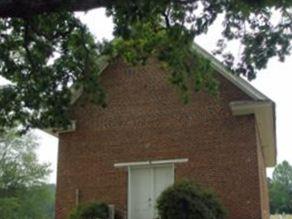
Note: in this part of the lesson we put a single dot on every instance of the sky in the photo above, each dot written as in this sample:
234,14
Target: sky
274,82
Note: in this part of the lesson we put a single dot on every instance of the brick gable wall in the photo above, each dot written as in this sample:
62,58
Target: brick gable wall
145,120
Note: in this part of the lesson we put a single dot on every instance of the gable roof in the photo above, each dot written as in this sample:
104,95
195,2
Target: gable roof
239,82
261,106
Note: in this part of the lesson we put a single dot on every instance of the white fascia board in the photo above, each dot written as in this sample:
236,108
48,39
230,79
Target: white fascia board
242,84
76,93
151,162
50,132
264,112
249,107
56,132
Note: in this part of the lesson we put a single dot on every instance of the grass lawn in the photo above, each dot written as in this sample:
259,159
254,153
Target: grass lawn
281,217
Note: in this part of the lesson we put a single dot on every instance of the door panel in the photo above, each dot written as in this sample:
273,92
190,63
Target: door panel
145,185
140,191
163,178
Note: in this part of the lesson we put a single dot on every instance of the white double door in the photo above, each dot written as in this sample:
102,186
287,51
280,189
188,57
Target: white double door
145,185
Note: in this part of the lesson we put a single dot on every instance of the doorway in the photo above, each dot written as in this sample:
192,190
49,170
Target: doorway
145,184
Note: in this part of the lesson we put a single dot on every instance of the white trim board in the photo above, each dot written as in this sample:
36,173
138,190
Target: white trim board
151,162
56,132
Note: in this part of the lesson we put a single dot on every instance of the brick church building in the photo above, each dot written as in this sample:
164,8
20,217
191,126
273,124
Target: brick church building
146,139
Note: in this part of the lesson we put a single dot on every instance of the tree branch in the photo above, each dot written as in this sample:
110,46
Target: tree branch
28,8
26,45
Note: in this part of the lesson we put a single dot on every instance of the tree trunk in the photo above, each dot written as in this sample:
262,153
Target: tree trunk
26,8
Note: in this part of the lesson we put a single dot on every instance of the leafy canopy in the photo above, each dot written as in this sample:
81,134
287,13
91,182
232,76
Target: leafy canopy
19,166
280,189
44,55
23,192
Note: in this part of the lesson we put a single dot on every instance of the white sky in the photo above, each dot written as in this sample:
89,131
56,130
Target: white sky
275,82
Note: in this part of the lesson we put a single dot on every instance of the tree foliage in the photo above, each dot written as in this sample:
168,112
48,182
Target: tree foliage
18,162
44,55
32,202
25,8
186,200
280,189
23,192
90,210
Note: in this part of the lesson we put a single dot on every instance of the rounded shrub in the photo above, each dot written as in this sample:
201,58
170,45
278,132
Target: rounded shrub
90,211
186,200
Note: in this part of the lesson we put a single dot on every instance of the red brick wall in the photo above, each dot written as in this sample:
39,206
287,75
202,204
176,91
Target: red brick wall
145,120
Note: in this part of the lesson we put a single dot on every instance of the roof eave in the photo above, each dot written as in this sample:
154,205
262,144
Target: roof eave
76,92
264,112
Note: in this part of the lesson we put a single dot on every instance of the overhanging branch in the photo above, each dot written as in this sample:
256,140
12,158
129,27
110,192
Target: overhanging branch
25,8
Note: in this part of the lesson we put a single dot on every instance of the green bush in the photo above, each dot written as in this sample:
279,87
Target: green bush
90,211
186,200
